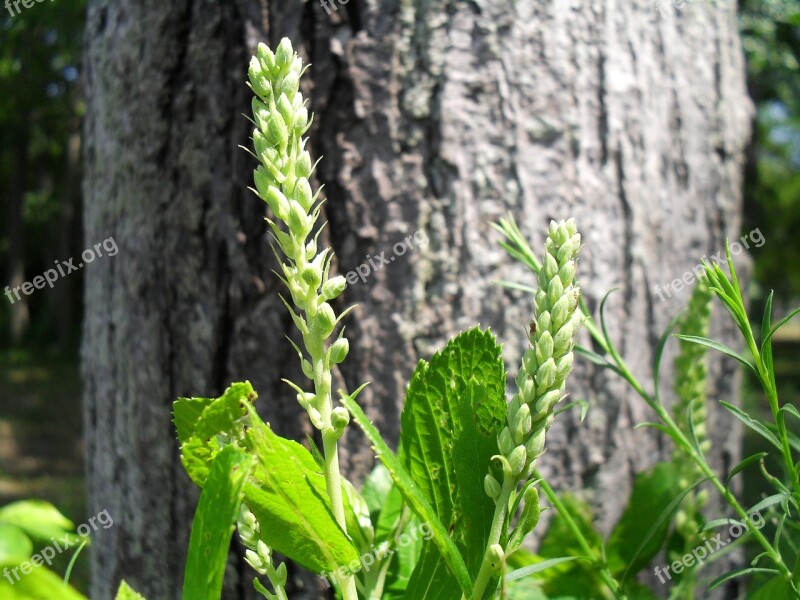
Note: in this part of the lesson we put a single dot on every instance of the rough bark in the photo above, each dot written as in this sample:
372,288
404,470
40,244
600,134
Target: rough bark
438,116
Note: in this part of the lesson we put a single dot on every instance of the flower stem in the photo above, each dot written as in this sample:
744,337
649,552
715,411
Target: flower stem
496,532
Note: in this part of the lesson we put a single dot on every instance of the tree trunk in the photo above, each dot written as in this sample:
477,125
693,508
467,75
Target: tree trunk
434,118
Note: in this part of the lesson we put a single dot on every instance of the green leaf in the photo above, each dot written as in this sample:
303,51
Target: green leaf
454,410
376,489
291,503
776,588
538,567
752,423
753,458
40,584
780,324
38,519
357,517
199,420
766,347
414,497
629,550
213,524
739,573
662,343
15,546
717,346
126,592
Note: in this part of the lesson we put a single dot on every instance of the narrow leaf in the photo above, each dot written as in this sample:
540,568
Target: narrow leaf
539,567
717,346
213,524
752,423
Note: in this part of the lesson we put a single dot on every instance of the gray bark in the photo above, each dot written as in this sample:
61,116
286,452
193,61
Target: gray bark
434,116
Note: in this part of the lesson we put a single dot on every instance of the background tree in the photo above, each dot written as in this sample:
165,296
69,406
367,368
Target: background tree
438,116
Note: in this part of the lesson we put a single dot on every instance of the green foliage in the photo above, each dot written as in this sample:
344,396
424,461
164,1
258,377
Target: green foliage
454,410
213,524
126,592
24,526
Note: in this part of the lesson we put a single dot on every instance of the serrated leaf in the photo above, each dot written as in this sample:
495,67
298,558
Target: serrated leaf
454,410
213,524
291,503
126,592
413,496
199,420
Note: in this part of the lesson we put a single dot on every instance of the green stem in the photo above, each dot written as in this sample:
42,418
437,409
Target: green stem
605,574
496,532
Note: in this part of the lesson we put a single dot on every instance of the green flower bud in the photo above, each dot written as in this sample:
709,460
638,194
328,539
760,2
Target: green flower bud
522,423
546,376
563,367
505,442
496,556
303,193
276,200
255,561
544,347
266,58
554,291
258,80
549,268
290,84
261,114
312,277
333,287
491,486
284,53
286,110
304,167
308,370
340,418
301,120
561,312
298,220
315,417
339,350
311,249
535,445
277,132
306,399
517,459
545,404
567,273
326,319
543,322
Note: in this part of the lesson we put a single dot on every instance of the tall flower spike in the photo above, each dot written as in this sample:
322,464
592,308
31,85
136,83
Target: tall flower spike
691,374
282,181
548,361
